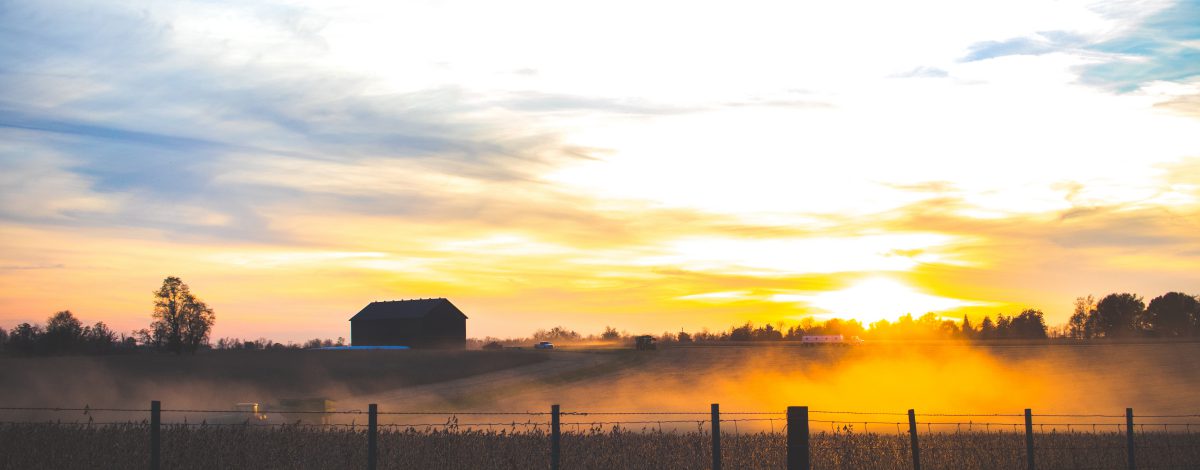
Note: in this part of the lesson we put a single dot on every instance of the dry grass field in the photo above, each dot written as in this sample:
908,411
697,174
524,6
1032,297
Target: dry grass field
935,379
124,446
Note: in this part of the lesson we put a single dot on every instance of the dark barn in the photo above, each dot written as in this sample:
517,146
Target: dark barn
419,323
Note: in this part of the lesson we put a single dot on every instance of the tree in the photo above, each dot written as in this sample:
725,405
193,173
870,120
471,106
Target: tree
987,329
610,334
98,337
1079,325
181,321
25,338
64,332
1171,314
968,331
1029,324
684,337
1003,327
3,338
1117,315
741,333
557,333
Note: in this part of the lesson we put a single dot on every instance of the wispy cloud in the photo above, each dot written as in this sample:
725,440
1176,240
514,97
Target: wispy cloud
1166,46
1041,43
154,123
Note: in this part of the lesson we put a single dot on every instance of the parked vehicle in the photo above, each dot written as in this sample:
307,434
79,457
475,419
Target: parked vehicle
645,343
544,345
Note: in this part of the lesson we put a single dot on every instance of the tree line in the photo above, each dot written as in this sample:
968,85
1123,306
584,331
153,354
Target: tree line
1117,315
180,322
1171,315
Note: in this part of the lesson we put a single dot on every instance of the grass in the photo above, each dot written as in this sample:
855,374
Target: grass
184,447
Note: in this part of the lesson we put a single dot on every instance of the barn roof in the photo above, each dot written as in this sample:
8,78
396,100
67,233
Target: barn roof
393,309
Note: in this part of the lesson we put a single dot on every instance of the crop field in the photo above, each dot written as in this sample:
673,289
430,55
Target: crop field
187,447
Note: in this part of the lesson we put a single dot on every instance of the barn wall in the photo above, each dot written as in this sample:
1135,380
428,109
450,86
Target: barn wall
445,328
397,332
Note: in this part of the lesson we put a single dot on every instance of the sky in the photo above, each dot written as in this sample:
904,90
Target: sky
653,166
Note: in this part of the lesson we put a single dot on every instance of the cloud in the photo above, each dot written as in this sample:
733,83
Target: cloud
1016,46
923,72
1165,46
534,101
1188,105
152,119
32,266
1162,45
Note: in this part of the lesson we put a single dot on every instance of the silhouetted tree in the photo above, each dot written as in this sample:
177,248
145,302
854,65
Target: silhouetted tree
987,329
25,338
98,338
1003,325
3,338
1029,324
742,333
1080,326
766,333
967,330
949,329
181,321
64,333
610,334
684,337
1117,315
557,333
1171,314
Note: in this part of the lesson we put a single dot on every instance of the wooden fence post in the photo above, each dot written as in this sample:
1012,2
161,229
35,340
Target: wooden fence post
912,433
1029,439
1129,437
372,432
155,443
797,438
555,439
716,436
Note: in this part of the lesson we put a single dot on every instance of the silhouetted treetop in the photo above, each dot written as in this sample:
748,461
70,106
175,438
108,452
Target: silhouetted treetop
181,321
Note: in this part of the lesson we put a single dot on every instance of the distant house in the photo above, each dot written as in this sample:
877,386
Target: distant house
418,323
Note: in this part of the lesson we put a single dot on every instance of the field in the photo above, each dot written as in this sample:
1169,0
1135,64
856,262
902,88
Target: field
191,447
221,378
968,399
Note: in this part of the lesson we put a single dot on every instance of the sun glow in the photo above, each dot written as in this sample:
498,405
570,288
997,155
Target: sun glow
875,299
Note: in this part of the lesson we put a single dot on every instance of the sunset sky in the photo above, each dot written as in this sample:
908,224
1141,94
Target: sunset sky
646,165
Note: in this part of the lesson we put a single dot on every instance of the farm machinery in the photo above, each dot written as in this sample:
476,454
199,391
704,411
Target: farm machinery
287,411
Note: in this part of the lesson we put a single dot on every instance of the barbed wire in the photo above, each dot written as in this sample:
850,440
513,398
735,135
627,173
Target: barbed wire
267,409
84,409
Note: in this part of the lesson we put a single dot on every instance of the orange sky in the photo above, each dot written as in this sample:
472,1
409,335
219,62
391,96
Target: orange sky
293,164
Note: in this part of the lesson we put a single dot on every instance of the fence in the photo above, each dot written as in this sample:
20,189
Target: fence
798,426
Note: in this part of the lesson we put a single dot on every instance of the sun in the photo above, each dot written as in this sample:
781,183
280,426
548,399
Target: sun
880,298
